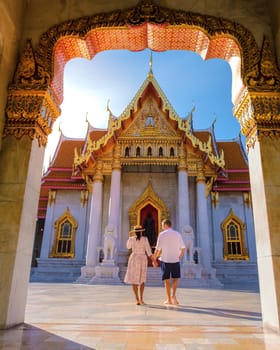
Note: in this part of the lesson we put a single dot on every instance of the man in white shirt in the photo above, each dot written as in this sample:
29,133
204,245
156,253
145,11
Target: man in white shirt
170,249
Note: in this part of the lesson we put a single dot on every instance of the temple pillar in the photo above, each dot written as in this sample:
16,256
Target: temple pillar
94,228
31,111
108,271
115,190
183,191
259,116
48,235
183,215
258,113
20,180
202,219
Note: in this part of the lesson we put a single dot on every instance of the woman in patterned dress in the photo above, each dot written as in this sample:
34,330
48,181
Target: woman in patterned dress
136,272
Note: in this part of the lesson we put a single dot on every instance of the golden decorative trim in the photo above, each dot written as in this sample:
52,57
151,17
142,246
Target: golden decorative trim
84,197
259,116
31,105
31,113
182,158
215,198
66,216
232,218
247,199
98,175
28,71
52,197
209,184
200,177
147,197
116,157
264,75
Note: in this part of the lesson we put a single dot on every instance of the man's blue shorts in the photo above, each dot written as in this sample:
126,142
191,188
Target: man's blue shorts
170,270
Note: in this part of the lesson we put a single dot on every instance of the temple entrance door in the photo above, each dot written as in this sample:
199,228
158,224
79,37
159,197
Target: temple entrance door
149,220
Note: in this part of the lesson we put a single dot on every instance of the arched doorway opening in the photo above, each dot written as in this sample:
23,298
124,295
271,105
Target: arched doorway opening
149,218
36,93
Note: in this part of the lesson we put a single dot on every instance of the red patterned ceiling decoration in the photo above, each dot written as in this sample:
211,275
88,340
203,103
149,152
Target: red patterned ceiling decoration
136,38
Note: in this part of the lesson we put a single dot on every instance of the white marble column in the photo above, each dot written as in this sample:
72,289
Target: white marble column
183,215
115,190
202,219
108,271
48,235
94,228
183,211
183,200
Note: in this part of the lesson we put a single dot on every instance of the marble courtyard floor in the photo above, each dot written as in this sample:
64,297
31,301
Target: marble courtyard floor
98,317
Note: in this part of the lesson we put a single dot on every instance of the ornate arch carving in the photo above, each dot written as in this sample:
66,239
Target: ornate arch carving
147,197
39,73
145,12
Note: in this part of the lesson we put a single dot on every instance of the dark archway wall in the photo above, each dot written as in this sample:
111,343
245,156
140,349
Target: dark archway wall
11,24
274,13
40,15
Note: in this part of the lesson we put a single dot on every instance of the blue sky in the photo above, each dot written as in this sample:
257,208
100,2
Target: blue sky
116,75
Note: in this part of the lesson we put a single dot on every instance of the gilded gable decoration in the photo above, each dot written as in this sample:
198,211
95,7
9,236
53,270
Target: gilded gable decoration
152,135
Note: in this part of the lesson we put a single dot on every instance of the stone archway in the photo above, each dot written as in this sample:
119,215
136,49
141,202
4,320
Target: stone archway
36,93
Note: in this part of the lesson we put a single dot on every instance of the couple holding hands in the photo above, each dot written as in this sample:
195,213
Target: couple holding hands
170,249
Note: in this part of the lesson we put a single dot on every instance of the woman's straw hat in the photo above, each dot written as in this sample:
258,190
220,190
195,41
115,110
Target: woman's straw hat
137,228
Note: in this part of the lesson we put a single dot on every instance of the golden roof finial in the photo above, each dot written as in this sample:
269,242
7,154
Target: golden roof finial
151,65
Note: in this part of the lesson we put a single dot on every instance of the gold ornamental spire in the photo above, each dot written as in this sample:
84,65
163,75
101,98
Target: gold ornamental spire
151,65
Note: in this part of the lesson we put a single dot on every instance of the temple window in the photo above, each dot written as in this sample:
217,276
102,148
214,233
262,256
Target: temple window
65,229
234,244
138,151
150,121
172,152
149,153
160,152
126,153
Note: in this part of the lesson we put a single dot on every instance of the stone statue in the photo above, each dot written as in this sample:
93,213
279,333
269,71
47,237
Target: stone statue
110,237
188,236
